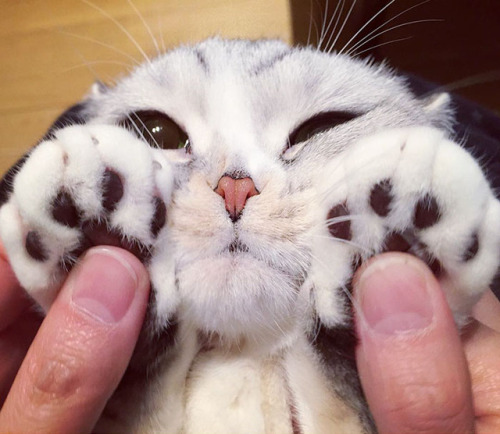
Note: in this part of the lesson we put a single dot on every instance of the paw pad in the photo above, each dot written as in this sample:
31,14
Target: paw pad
339,229
472,249
427,212
159,217
112,190
34,247
64,210
381,197
98,230
396,242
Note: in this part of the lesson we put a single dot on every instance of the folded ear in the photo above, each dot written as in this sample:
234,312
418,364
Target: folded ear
98,88
437,103
440,110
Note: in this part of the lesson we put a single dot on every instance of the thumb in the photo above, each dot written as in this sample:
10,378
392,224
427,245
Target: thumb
82,348
410,358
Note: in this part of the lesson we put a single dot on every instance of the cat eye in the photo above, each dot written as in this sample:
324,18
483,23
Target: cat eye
319,124
157,129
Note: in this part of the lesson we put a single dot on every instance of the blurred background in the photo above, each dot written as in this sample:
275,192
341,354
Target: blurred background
52,50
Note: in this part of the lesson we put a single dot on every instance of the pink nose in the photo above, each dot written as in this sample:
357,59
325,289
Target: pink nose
235,193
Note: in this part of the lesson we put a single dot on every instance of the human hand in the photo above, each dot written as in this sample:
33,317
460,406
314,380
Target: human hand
81,349
417,372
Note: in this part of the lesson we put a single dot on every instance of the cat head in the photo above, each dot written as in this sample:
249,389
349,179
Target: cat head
277,117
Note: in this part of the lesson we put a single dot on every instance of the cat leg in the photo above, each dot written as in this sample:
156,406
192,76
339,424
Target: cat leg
416,191
86,185
410,190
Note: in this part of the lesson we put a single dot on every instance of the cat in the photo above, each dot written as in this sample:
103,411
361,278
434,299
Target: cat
252,178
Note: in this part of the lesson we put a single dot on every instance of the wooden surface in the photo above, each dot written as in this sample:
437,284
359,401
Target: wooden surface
51,51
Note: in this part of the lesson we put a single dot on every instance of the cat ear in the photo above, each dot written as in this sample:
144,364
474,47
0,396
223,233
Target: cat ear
98,88
437,103
439,108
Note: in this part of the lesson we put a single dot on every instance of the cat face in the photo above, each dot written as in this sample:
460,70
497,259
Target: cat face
280,117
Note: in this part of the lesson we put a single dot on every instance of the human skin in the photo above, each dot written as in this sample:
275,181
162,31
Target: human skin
66,374
418,373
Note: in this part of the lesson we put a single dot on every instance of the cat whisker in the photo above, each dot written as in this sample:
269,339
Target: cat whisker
146,26
98,62
327,31
89,65
380,27
484,77
316,328
140,133
323,195
162,40
343,25
356,54
102,44
278,328
86,63
341,219
120,26
431,20
363,249
311,20
323,25
367,24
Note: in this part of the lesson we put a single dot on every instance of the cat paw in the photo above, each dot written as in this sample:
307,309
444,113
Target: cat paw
88,185
412,191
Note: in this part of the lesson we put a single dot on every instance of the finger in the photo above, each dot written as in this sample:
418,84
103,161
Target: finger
13,299
410,357
487,311
82,348
482,349
18,325
14,343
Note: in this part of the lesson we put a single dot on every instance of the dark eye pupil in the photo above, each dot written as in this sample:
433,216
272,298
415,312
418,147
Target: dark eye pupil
157,129
310,131
318,124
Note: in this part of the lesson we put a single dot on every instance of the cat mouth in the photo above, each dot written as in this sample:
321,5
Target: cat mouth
237,247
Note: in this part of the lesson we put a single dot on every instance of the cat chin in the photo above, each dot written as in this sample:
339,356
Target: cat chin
237,295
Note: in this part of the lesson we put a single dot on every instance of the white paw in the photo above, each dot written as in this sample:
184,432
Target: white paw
408,190
89,185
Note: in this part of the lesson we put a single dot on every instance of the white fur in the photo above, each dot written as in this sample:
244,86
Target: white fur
256,307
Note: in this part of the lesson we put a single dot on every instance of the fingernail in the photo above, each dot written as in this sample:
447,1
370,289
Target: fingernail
394,296
105,284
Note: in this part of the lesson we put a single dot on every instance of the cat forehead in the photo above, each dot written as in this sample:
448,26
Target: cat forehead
263,75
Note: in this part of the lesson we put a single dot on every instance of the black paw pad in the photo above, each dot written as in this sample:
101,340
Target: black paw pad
339,229
381,197
159,217
64,210
35,248
97,233
427,212
472,249
112,190
436,267
396,242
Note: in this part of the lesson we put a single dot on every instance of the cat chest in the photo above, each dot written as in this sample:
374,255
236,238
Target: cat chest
236,394
285,393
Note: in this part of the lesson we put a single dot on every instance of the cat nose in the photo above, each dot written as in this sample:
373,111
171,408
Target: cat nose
235,192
